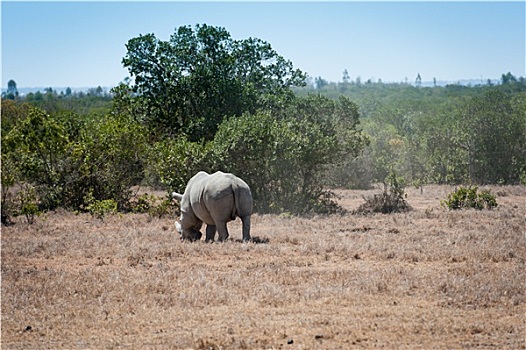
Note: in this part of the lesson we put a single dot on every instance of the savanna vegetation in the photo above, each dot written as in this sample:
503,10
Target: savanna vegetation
429,278
449,134
424,276
204,101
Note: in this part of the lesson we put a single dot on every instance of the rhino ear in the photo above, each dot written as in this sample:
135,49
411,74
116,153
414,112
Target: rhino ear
178,227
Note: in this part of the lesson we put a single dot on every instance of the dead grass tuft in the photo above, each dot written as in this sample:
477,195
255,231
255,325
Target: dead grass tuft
429,278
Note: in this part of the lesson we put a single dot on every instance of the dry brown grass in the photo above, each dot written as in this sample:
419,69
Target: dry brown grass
429,278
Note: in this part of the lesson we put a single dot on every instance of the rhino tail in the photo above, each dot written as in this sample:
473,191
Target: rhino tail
177,196
235,210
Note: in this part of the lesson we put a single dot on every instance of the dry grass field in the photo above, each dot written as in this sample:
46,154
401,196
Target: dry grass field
425,279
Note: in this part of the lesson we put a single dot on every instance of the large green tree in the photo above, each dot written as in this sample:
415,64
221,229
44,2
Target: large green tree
191,82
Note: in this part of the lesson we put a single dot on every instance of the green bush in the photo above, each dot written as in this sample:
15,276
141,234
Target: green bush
469,197
38,146
284,155
65,158
172,162
99,208
282,160
107,161
10,177
29,203
153,205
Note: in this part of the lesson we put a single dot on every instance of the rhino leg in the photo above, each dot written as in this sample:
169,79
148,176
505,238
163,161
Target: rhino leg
210,233
246,228
222,230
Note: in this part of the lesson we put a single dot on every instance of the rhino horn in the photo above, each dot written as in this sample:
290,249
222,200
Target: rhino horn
178,227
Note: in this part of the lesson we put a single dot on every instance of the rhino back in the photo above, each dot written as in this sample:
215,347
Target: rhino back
220,196
226,196
219,185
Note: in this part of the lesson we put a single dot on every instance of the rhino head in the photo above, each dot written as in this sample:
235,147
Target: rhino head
190,234
179,228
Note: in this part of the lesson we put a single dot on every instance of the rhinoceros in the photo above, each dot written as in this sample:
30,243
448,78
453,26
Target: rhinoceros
214,200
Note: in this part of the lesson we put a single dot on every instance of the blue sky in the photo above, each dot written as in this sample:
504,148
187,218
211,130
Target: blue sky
81,44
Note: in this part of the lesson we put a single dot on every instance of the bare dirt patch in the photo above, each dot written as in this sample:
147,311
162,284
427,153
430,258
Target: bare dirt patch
429,278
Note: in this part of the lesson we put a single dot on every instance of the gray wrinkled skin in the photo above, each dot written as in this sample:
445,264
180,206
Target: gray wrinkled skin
214,200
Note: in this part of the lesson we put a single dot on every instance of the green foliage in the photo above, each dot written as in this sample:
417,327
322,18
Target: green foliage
99,208
24,201
12,114
452,134
493,137
284,157
338,119
38,146
90,103
65,157
165,208
469,197
172,162
189,83
29,203
203,101
10,177
153,205
142,203
108,160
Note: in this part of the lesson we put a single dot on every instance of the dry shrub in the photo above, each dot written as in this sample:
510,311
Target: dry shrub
391,200
384,203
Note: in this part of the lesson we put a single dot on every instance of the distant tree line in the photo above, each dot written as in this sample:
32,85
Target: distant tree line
51,94
442,134
93,100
